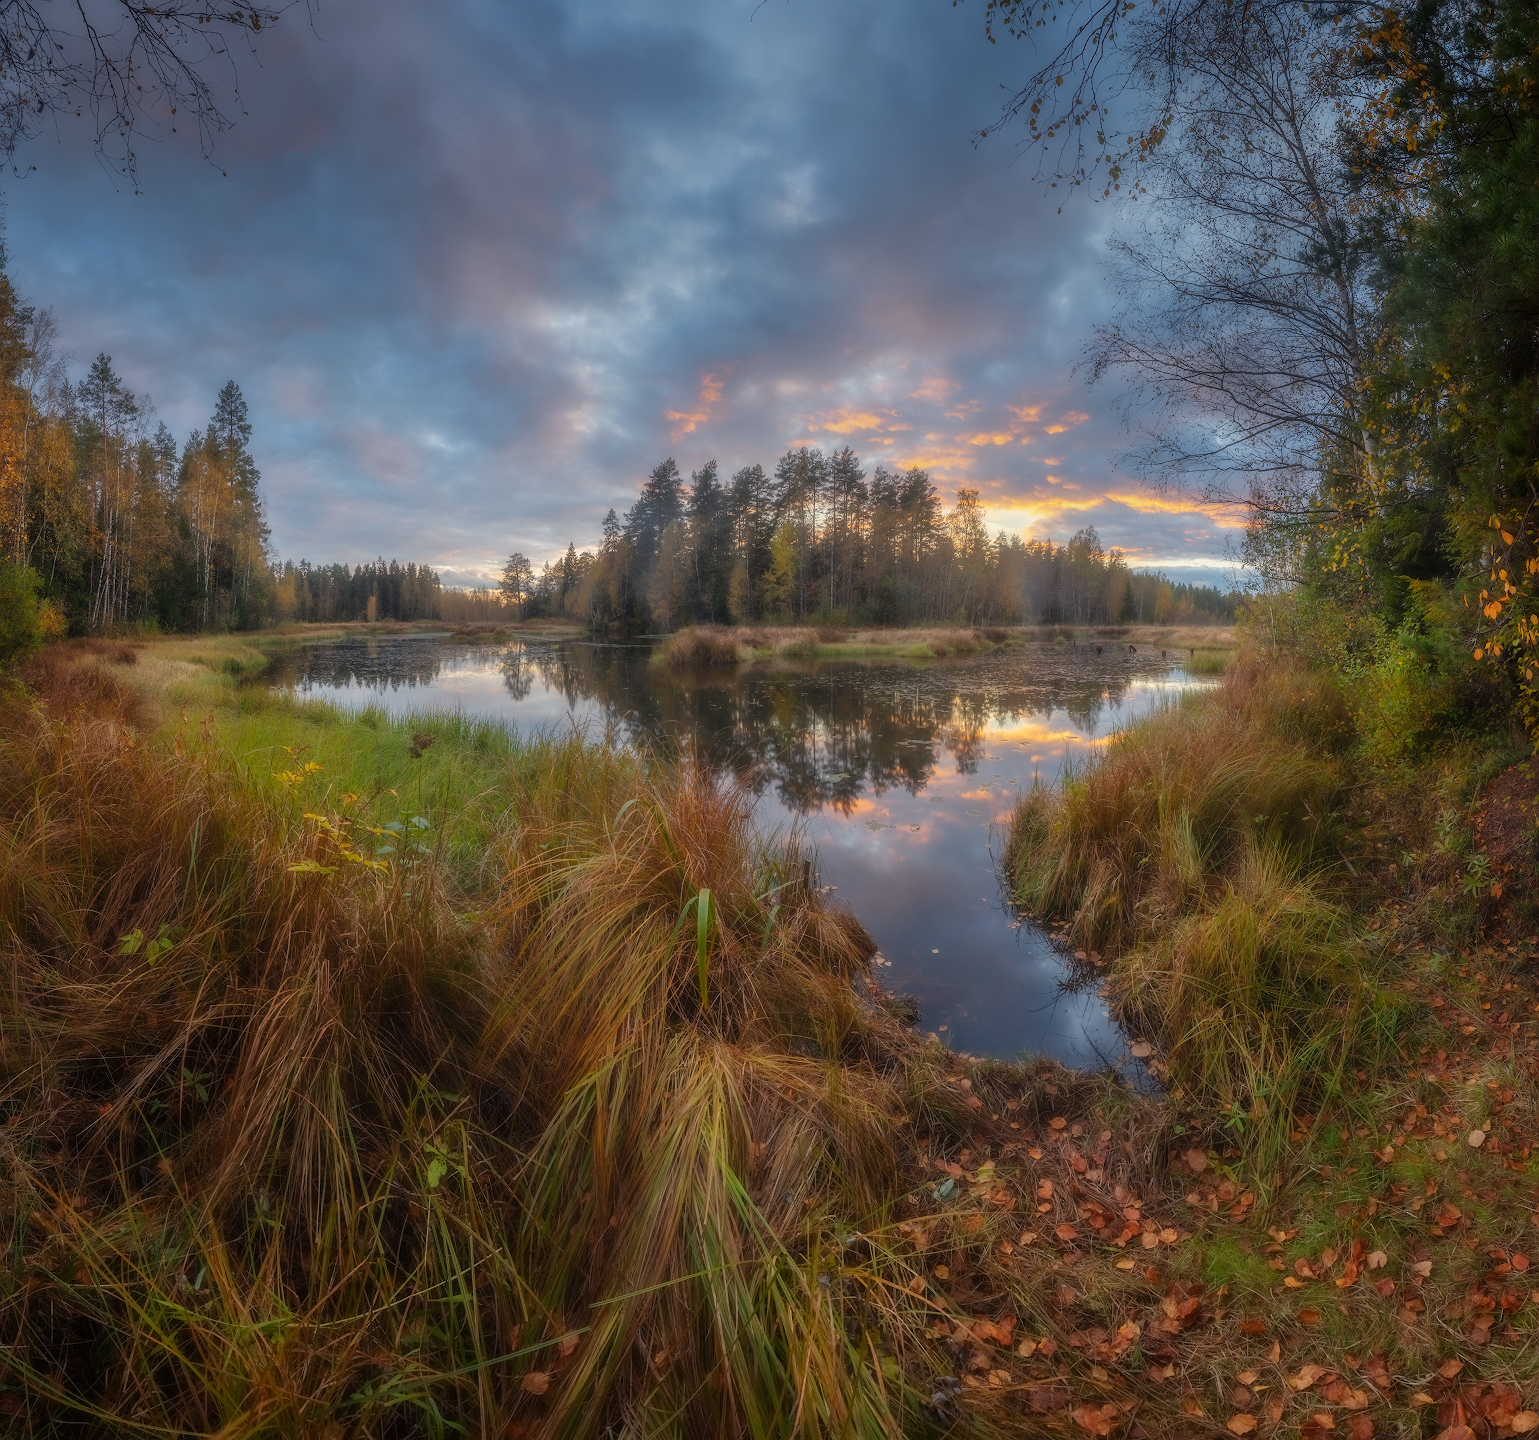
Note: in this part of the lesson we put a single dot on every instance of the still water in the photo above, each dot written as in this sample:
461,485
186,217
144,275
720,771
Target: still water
901,775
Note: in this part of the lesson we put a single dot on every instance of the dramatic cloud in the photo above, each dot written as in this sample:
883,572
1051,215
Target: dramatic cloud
478,267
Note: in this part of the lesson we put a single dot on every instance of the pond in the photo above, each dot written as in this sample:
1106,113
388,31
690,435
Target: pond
900,774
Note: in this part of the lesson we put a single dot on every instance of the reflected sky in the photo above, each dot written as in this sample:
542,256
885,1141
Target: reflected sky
901,775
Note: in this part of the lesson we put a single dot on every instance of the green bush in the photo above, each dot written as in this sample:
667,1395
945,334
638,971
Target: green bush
22,615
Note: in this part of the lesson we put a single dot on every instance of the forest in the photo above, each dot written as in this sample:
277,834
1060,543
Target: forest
816,539
117,527
120,527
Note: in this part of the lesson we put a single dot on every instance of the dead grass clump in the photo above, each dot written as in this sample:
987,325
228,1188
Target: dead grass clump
831,635
953,642
994,634
69,678
291,1145
701,645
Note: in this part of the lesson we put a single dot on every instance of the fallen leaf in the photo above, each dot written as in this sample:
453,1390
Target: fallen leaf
1422,1268
1027,1348
1248,1377
1476,1139
1125,1264
1524,1421
1519,1261
1141,1049
1306,1377
1377,1259
536,1382
1058,1122
1449,1368
1196,1160
1309,1315
1241,1424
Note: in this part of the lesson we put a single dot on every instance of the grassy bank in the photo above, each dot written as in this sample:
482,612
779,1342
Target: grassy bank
703,645
571,1110
1336,990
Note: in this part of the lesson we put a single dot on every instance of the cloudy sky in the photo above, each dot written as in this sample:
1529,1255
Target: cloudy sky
479,265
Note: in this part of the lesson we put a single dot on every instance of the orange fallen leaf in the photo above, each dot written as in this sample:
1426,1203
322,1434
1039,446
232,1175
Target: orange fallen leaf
1377,1259
1524,1421
1476,1139
1241,1424
536,1382
1449,1368
1306,1377
1058,1122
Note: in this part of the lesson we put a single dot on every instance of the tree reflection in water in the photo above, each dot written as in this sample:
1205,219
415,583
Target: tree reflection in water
823,733
901,772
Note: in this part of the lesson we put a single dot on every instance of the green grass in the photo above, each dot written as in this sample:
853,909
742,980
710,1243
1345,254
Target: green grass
1197,851
1209,662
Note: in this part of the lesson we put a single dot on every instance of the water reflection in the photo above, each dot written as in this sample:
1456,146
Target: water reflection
902,774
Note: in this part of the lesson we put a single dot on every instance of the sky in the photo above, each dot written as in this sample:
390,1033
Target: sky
478,266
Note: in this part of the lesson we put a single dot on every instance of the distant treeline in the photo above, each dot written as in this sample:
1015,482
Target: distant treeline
379,590
818,539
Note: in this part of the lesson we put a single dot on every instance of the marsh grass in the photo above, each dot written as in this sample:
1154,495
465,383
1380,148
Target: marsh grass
297,1136
1196,851
1208,662
706,645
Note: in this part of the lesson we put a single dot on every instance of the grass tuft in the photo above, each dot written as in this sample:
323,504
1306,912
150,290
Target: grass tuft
1195,850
